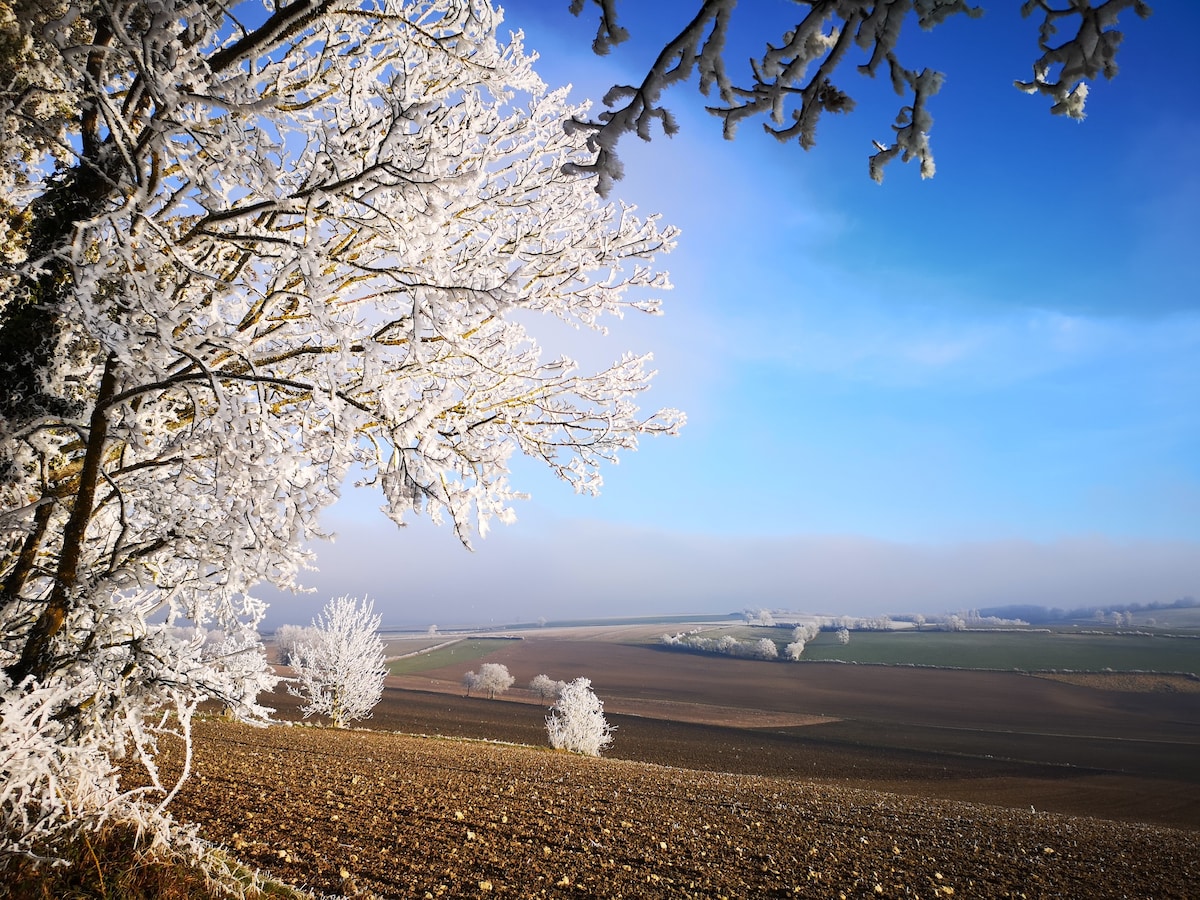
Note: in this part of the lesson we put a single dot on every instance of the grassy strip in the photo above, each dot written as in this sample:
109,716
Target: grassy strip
112,865
1027,651
465,652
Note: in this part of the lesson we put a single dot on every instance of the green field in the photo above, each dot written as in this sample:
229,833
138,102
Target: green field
1030,651
465,652
1035,650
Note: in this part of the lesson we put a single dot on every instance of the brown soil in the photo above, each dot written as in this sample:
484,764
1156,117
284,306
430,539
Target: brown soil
997,737
728,778
357,813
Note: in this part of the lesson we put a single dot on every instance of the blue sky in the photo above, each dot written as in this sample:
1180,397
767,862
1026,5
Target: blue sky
927,396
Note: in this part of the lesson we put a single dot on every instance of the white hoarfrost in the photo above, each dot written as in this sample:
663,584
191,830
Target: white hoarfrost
491,679
801,635
546,687
726,645
792,84
280,243
576,721
340,663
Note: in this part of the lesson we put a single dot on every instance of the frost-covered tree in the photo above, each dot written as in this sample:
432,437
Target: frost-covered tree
491,679
240,655
760,616
801,635
843,636
765,648
546,687
792,83
340,664
289,637
725,645
243,249
576,721
953,623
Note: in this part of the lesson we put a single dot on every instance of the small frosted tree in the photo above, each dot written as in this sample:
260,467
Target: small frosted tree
288,637
843,635
765,648
340,667
801,635
546,687
954,623
759,616
492,679
576,721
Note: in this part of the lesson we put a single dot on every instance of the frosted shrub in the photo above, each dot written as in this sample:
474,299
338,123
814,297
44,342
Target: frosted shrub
765,648
801,635
576,722
726,645
340,663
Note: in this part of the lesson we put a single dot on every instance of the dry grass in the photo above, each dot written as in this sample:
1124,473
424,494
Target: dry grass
1129,682
113,864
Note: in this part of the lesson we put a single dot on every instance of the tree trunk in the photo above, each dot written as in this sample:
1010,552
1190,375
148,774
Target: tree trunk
15,583
36,658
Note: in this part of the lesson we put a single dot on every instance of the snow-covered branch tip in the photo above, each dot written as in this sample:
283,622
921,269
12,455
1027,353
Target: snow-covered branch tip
792,84
1062,71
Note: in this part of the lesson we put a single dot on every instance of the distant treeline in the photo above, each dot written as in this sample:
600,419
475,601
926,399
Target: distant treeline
1050,615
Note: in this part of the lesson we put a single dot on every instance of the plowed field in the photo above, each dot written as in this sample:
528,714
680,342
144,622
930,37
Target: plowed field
359,813
728,778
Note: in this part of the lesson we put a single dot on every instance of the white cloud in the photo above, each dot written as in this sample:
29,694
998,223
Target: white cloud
913,347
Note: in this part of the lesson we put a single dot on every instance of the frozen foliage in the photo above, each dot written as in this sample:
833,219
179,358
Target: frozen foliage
792,85
491,679
806,632
241,252
576,721
137,681
952,623
726,645
759,616
801,635
765,648
289,637
843,636
340,664
546,687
